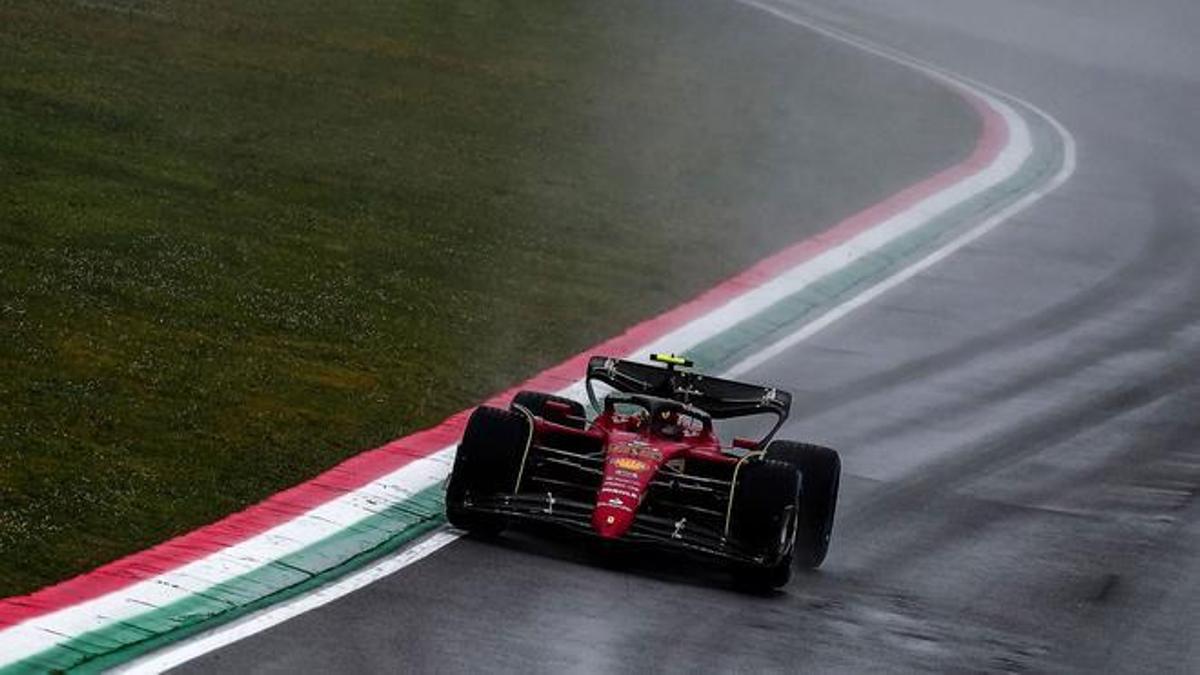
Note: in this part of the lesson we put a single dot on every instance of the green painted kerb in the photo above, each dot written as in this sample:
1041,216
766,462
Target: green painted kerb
307,569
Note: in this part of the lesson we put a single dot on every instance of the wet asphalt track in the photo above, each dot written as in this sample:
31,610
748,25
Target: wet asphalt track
1020,426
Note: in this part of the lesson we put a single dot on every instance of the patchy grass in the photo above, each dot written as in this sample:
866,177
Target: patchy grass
241,240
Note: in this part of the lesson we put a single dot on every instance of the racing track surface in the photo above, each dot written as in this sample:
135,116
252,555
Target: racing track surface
1018,425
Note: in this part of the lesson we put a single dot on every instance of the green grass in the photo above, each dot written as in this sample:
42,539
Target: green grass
241,240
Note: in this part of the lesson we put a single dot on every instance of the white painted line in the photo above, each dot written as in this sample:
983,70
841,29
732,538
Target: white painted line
28,638
256,622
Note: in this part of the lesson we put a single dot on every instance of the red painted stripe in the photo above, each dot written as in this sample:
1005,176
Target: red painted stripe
367,466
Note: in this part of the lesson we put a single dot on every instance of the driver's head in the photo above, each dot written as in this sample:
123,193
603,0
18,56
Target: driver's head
667,423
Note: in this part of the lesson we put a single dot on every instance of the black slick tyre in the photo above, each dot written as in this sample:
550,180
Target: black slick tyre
764,518
820,472
486,465
535,402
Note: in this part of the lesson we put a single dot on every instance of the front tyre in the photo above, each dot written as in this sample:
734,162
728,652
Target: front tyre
820,471
764,520
486,464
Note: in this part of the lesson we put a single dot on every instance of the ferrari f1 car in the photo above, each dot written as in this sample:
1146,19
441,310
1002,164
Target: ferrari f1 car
649,468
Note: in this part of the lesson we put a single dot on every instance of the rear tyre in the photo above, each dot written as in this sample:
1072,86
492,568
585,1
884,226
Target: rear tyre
820,472
535,402
766,503
487,464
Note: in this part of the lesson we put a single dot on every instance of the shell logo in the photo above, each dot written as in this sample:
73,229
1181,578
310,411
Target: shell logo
629,464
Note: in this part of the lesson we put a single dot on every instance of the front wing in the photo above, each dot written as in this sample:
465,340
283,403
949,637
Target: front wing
647,529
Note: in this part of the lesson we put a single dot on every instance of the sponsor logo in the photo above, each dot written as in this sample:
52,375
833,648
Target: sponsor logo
621,492
623,489
630,464
636,449
616,501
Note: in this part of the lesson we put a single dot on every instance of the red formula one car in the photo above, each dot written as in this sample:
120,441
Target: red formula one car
650,469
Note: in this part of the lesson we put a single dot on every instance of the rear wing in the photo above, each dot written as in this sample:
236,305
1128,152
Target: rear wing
722,399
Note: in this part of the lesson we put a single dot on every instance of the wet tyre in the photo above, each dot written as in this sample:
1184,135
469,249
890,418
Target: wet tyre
820,473
535,402
764,519
486,464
